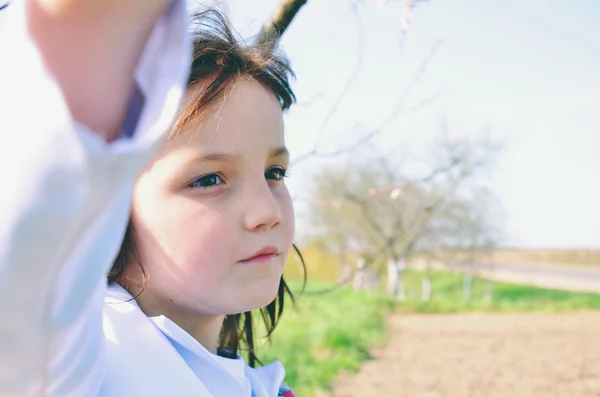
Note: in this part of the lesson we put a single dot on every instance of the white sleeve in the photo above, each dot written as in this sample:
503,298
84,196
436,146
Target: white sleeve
64,204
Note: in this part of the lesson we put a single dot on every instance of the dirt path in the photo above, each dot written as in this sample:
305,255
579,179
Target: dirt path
484,355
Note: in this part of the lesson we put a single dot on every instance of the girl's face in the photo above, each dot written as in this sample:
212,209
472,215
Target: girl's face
213,218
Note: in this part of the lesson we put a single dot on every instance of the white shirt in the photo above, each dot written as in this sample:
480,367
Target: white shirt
236,368
65,198
197,357
142,348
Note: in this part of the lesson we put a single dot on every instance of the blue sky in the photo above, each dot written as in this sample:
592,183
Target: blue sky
530,70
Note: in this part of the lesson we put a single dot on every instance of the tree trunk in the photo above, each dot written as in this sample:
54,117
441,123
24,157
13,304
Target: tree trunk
487,295
393,277
467,281
426,290
359,276
395,283
401,291
274,28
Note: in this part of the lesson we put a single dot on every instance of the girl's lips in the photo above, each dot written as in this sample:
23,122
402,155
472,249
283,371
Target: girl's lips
265,254
259,258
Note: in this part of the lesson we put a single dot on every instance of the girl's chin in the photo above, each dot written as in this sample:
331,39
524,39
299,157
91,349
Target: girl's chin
256,298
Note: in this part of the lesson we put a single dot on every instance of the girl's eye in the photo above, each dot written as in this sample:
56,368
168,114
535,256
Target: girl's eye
276,174
206,181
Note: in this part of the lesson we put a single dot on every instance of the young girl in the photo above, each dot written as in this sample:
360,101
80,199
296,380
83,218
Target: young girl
211,222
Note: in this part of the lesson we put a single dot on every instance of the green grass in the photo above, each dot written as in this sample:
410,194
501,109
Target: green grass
326,334
331,333
446,296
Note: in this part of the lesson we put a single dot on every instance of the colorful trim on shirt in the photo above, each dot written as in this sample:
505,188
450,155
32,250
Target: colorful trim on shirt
285,391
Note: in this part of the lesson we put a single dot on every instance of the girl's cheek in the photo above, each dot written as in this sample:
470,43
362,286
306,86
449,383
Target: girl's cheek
290,221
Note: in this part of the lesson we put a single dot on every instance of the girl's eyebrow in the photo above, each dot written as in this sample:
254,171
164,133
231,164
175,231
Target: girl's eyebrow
280,151
216,156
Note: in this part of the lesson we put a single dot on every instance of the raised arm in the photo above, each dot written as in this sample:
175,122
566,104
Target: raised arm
92,48
64,191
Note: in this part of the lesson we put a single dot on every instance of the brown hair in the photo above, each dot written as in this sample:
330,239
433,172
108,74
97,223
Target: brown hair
219,59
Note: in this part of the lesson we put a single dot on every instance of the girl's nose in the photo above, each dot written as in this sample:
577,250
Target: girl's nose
262,209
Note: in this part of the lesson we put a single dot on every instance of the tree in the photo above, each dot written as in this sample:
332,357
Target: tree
374,209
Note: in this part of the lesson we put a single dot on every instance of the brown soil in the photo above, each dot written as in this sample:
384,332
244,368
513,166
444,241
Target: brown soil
483,355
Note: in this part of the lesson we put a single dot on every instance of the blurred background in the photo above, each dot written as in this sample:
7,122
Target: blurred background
444,173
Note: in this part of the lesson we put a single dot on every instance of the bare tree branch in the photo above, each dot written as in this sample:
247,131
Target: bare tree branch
396,109
274,28
272,31
366,212
355,72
